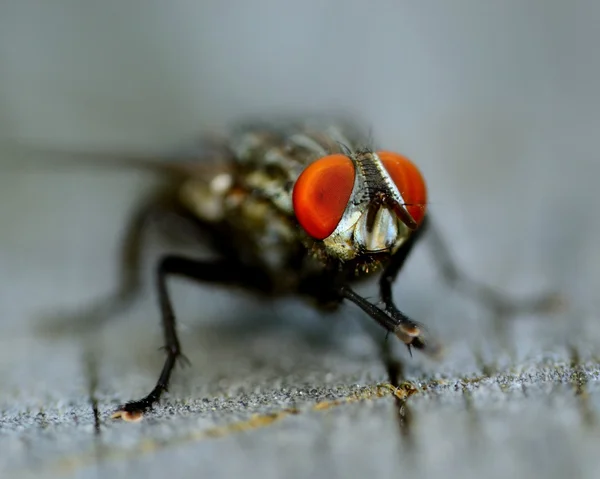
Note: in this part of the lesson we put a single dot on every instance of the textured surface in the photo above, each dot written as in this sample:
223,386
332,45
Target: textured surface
496,102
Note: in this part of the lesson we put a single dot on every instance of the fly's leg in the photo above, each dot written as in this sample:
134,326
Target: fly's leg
407,330
397,323
158,209
332,289
223,272
130,262
502,304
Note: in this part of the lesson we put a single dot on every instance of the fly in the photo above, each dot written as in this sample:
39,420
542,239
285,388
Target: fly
304,208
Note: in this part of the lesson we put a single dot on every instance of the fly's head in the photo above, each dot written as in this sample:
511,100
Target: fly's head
360,205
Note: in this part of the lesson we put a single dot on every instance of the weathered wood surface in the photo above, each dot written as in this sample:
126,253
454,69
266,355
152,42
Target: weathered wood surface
274,390
497,101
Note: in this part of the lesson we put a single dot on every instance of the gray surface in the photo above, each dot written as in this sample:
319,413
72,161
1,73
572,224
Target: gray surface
498,104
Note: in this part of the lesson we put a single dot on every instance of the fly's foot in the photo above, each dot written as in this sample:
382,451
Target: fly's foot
414,335
405,328
128,416
423,342
134,411
407,332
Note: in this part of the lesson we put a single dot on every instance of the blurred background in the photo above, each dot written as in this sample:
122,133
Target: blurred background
497,102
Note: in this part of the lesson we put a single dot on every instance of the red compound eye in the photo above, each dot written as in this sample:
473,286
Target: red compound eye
321,194
408,180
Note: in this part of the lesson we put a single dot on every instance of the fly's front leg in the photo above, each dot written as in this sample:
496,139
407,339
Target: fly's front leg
397,323
407,330
390,318
502,304
331,289
224,272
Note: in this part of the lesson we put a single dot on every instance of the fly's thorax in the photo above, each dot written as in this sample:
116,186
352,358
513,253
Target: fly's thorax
250,207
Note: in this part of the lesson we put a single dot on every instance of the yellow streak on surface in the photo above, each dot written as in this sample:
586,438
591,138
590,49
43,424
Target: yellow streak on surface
256,421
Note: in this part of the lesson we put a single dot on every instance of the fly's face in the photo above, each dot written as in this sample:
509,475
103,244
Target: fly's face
360,203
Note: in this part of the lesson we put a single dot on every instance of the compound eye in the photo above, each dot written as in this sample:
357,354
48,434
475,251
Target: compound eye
409,181
321,194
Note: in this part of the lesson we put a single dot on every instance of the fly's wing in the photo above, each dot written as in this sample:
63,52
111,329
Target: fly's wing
306,138
204,158
256,144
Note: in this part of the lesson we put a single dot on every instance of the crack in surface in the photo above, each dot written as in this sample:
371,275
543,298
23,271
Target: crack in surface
579,380
256,421
473,419
91,370
41,419
401,391
487,369
395,372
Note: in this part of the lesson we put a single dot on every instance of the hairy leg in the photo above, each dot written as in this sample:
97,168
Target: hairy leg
224,272
156,210
501,304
